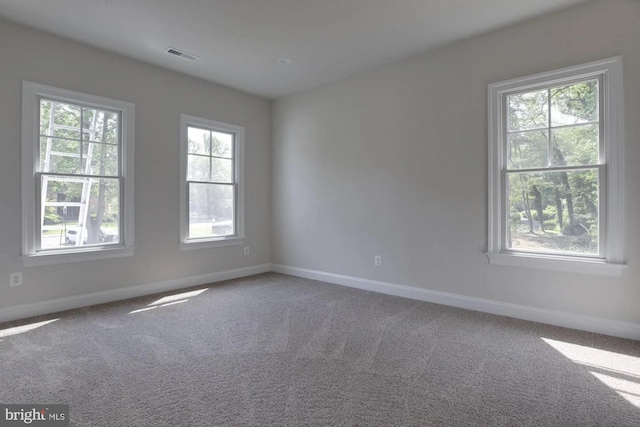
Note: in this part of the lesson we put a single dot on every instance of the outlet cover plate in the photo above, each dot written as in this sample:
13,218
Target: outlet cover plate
15,279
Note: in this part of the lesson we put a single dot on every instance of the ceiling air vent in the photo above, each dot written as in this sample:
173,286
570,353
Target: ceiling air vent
184,55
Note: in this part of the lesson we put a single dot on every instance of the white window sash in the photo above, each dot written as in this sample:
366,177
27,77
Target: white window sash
611,216
238,237
31,198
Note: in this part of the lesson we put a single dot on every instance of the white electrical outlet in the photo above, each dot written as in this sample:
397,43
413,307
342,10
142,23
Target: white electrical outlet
246,250
377,261
15,279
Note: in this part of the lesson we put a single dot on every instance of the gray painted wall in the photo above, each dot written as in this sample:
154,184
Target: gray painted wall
393,162
159,96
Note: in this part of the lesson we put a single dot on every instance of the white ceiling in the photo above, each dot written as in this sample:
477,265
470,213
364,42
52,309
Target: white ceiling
239,42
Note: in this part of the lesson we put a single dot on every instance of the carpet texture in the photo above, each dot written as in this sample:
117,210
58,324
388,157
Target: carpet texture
274,350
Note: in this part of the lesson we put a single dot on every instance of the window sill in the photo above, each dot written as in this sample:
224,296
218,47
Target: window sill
63,257
206,244
558,263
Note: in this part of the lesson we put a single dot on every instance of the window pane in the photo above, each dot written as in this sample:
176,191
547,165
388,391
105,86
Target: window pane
66,119
103,159
553,212
221,170
528,149
574,104
199,141
65,211
222,144
198,168
211,210
528,110
68,190
45,112
59,155
576,145
100,126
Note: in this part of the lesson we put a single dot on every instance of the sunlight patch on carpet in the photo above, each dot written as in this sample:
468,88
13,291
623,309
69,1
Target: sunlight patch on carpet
142,309
24,328
619,372
177,297
625,388
174,302
170,300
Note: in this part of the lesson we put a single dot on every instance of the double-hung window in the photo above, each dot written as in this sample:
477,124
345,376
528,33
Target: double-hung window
212,187
77,176
556,170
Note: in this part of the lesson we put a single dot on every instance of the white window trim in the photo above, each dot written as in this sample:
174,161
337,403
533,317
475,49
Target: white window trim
612,77
214,242
30,126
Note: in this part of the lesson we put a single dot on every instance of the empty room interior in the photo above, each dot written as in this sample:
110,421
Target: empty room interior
320,213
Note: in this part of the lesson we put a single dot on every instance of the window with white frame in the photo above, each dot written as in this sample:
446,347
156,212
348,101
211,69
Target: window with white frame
77,176
212,188
556,169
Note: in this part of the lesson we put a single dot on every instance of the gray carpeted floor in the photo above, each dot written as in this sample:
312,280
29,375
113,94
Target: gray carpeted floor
273,350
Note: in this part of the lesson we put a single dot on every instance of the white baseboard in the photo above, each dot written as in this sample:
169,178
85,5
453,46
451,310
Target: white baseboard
557,318
585,323
62,304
